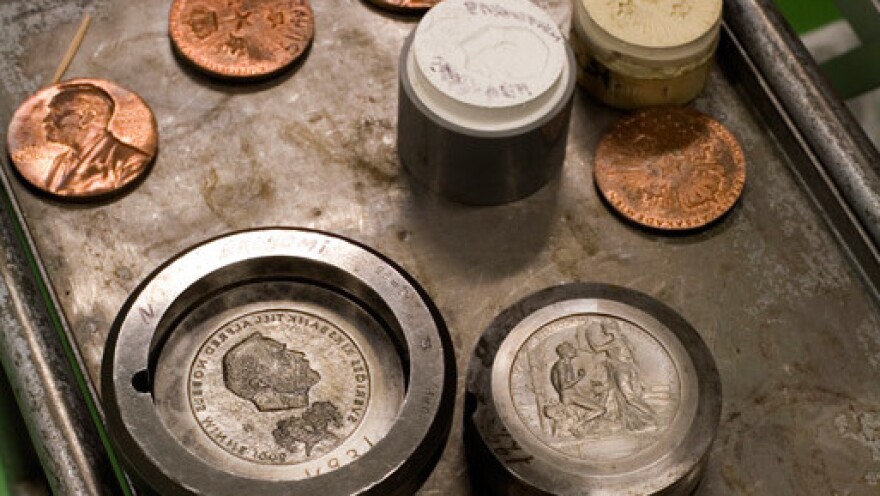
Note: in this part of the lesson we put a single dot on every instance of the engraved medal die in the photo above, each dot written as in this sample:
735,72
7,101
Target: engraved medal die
588,389
275,362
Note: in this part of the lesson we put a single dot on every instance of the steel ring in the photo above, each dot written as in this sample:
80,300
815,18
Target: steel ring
270,332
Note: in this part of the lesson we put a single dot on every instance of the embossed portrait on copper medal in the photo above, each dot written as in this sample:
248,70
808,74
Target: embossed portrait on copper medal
82,138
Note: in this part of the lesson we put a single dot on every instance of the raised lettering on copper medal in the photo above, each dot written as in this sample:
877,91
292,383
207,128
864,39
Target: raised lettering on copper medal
241,39
82,138
405,5
670,168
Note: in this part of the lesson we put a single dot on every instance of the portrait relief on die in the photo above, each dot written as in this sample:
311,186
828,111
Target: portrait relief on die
274,378
265,372
279,387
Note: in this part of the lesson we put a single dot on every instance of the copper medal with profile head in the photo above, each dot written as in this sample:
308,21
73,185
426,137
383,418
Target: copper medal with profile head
670,168
241,39
82,138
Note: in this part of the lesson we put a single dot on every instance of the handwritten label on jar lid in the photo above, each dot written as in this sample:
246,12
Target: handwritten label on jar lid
489,53
655,23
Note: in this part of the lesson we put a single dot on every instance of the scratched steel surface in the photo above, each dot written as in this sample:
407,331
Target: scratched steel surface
794,331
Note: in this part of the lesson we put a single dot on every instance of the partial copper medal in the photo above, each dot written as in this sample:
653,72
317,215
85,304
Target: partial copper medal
82,138
241,39
405,5
670,168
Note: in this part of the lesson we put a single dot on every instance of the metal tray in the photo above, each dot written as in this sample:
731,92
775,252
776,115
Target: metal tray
783,289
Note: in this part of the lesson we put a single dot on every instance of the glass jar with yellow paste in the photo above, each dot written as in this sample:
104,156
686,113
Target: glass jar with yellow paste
642,53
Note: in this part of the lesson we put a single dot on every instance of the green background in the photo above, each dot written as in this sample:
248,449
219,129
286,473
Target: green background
805,15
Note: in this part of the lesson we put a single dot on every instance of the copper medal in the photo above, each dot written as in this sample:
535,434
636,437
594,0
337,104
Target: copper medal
241,39
670,168
405,5
82,138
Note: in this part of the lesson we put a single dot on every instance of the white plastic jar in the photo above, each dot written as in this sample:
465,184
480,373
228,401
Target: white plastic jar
486,91
642,53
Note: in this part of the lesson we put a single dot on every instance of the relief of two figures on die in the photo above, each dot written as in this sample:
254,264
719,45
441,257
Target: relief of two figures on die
598,386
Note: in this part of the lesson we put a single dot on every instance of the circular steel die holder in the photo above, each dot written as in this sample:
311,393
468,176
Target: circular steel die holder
477,164
528,432
289,261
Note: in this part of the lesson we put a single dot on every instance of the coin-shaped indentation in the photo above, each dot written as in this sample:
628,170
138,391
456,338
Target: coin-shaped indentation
670,168
405,5
82,138
241,38
594,387
279,387
284,381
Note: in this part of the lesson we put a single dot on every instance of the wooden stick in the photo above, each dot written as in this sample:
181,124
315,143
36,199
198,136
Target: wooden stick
72,49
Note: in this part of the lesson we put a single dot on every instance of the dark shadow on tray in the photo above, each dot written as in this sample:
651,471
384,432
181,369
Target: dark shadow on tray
238,86
492,241
594,118
405,15
684,237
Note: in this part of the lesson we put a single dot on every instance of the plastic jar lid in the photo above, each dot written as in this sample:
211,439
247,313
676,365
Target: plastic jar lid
489,65
653,33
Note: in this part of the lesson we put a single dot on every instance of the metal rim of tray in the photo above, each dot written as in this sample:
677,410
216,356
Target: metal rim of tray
68,444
